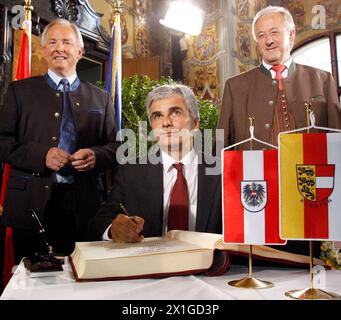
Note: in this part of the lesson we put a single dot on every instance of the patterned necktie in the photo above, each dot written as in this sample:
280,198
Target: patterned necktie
178,206
67,139
283,120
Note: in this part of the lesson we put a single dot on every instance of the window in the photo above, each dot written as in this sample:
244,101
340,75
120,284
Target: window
315,54
323,53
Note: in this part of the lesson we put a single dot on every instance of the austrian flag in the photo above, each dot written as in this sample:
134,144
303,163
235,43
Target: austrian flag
250,197
310,186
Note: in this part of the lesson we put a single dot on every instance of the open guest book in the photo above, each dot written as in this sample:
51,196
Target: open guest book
177,253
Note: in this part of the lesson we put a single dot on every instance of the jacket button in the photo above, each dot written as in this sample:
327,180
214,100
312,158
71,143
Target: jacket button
54,138
274,82
271,103
56,115
267,126
58,94
46,187
77,104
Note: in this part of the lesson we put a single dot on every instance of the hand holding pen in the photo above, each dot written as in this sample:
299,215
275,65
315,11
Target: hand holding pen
126,227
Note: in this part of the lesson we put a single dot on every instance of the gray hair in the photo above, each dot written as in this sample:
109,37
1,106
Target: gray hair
63,22
289,23
168,90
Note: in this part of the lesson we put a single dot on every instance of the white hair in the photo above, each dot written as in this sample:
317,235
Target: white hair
63,22
289,23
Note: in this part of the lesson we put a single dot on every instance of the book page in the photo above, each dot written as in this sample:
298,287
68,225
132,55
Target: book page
149,246
203,239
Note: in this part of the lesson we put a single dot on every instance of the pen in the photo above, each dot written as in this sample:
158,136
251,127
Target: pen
132,218
127,213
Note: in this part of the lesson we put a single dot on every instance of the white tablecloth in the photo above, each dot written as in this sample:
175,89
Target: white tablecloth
64,287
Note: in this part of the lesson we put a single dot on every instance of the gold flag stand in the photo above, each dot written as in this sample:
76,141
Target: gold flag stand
250,281
311,293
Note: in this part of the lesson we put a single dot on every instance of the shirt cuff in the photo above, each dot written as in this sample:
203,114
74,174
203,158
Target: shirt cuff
105,235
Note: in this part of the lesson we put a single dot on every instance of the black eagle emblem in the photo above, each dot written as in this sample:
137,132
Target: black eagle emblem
253,194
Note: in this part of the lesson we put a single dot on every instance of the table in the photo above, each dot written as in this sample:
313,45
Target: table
199,287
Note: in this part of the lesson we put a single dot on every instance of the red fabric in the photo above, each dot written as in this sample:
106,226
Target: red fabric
5,176
9,256
315,152
279,68
178,206
233,223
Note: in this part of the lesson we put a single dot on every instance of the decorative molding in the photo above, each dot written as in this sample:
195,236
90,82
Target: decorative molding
66,9
89,23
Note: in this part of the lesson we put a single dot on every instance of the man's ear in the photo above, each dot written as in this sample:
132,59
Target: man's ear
196,124
292,36
81,53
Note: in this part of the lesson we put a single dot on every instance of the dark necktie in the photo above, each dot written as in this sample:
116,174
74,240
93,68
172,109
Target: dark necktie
67,139
178,205
283,120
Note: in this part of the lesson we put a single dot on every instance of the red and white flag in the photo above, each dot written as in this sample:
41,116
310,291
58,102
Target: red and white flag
23,71
250,197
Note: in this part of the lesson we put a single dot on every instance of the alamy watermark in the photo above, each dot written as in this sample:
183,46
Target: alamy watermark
19,16
143,147
319,20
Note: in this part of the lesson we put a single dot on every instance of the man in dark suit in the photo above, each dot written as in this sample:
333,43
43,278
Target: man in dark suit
276,92
58,133
145,188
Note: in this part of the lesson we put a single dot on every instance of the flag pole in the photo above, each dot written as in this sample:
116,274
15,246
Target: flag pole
311,293
113,81
250,281
23,71
28,10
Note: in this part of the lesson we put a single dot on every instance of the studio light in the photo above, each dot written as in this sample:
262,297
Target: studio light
184,17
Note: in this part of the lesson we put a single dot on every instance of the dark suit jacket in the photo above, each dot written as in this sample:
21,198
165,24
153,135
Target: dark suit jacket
140,188
254,94
29,126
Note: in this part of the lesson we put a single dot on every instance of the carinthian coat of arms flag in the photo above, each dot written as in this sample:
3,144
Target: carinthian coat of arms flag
310,186
250,197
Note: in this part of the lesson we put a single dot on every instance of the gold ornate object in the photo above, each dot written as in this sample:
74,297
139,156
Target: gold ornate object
28,10
116,10
312,294
308,111
250,282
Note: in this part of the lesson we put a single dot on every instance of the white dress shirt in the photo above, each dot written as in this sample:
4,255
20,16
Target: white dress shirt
273,73
56,78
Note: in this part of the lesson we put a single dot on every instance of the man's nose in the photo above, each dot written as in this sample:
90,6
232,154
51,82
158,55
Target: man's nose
166,122
59,46
269,40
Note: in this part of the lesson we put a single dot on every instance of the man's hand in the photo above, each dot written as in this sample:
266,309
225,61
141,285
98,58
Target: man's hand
83,160
126,229
56,159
